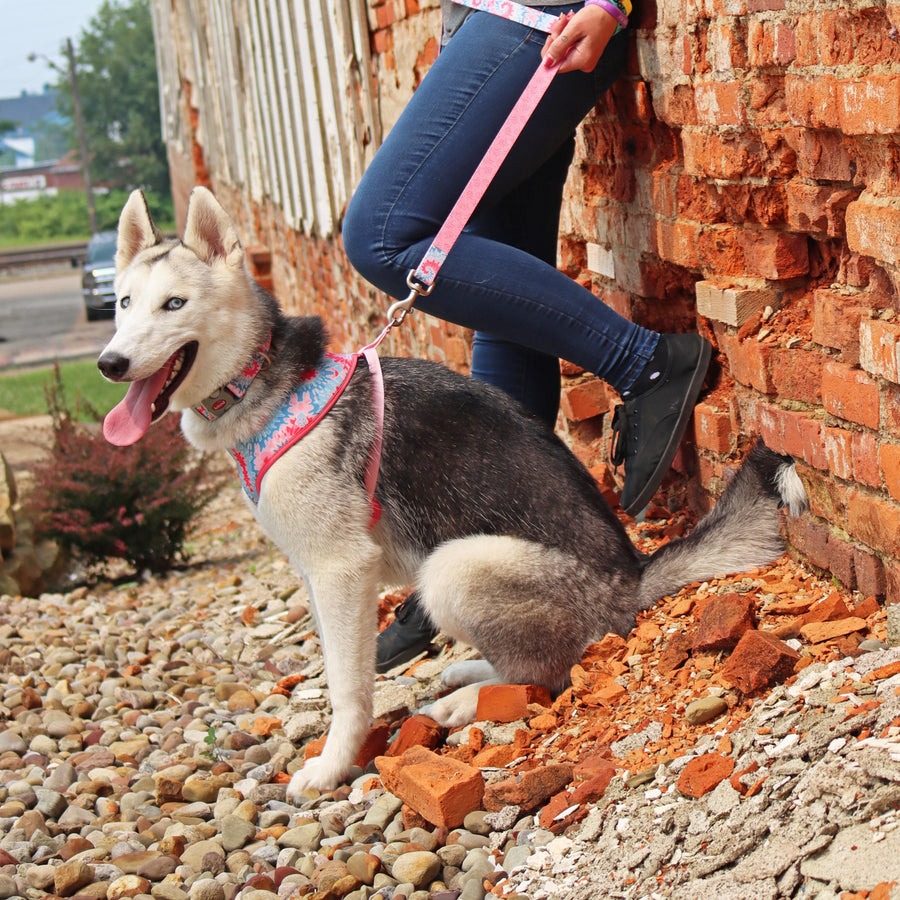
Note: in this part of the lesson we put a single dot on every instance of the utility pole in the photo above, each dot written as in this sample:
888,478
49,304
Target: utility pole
82,143
72,75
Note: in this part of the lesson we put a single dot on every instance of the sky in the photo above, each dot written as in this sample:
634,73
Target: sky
40,26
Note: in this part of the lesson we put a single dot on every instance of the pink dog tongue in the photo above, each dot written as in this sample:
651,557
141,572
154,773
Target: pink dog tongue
128,421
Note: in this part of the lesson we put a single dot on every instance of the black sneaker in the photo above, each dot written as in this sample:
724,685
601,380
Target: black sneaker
648,428
407,636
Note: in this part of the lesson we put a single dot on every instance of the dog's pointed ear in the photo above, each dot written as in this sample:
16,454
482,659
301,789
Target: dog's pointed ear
209,231
137,230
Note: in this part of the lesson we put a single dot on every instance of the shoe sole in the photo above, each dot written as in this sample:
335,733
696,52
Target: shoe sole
665,461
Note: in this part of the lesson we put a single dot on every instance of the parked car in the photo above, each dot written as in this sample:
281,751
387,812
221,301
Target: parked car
98,275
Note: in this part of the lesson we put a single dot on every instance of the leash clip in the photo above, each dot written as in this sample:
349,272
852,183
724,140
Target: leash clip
398,311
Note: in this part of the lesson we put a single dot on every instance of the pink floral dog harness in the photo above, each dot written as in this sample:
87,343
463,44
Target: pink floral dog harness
301,412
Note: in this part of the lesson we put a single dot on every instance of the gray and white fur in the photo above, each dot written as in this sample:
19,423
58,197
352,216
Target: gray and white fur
484,509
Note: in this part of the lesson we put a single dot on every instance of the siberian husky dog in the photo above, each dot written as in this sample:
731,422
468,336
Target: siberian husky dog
502,531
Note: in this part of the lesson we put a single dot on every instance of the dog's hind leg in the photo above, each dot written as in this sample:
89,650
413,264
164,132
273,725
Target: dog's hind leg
523,605
468,677
468,671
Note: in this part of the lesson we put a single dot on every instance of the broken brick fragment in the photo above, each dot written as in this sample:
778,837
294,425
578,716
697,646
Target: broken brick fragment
593,766
265,725
411,819
530,789
866,608
416,731
736,782
819,632
829,609
703,774
608,648
440,789
508,702
608,695
558,804
587,792
758,661
494,756
724,621
676,653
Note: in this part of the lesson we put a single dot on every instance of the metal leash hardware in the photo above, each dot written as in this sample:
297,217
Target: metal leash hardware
421,280
398,311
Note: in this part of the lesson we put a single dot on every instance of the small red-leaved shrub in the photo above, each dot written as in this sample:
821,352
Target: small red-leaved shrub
102,502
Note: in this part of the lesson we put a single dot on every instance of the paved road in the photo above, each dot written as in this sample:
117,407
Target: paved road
42,318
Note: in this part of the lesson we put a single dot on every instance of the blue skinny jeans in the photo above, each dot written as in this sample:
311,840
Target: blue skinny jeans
500,278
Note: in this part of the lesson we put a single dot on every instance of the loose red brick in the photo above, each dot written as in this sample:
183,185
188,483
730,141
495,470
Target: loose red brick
759,661
723,622
610,647
703,774
528,789
442,790
508,702
676,653
416,731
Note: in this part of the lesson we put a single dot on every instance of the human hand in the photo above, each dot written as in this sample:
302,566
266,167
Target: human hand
579,39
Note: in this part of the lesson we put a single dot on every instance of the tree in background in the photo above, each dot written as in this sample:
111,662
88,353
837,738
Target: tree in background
118,83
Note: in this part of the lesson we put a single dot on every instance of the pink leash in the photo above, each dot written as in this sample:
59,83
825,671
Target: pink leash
421,280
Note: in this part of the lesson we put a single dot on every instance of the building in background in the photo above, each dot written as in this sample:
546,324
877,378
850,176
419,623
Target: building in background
33,159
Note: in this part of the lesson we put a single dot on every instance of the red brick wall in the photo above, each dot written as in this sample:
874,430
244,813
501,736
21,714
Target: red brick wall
748,163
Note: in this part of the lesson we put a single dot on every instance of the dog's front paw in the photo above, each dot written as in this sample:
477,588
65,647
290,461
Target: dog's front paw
455,709
316,773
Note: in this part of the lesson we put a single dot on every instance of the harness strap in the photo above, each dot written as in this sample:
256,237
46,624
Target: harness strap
374,463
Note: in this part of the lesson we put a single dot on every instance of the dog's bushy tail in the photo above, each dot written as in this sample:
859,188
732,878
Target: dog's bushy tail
742,531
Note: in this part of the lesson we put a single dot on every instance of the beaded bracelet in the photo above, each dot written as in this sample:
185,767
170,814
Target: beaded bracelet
613,9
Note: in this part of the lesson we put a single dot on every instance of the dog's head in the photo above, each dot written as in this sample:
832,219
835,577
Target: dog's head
185,320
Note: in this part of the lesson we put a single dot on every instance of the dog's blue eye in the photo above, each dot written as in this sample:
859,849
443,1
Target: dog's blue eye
124,302
174,303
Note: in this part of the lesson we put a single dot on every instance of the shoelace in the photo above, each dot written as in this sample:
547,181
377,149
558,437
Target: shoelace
618,450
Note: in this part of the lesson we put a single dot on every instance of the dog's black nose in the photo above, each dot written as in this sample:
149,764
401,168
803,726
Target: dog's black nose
113,366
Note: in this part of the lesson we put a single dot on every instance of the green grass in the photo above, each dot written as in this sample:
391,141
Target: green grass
22,392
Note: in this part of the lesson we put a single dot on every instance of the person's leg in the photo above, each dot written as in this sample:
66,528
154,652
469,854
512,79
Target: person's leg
423,166
528,218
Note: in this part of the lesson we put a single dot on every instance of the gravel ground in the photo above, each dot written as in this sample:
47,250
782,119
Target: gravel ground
148,729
